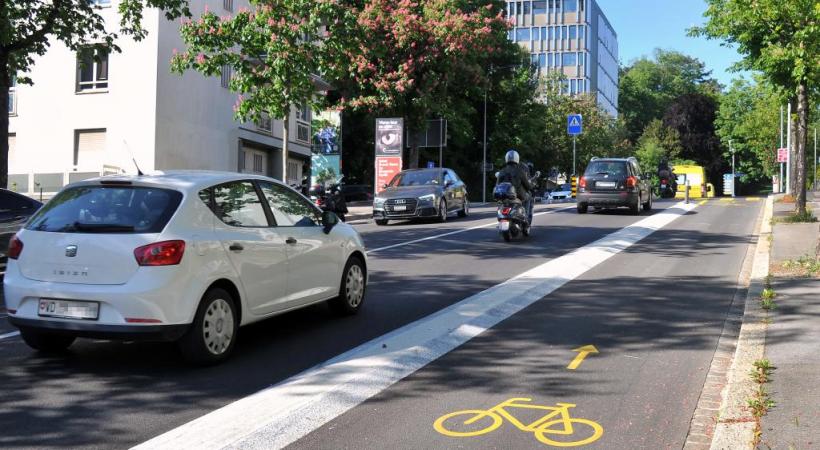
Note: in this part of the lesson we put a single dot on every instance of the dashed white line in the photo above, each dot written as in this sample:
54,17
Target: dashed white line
9,335
464,230
284,413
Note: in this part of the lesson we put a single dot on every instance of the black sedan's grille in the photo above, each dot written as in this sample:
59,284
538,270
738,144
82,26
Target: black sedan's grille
401,205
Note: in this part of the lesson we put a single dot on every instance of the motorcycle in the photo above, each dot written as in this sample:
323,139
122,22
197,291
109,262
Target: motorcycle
513,216
329,198
667,184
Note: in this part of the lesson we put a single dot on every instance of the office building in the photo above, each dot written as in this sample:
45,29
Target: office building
572,37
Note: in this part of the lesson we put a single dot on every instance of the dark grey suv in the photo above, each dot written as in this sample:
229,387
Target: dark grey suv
614,182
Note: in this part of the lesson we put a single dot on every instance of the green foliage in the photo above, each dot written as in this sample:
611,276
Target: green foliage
649,86
657,143
272,51
762,371
800,217
806,265
749,117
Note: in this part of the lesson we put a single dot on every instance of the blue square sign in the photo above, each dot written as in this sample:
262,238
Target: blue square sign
575,124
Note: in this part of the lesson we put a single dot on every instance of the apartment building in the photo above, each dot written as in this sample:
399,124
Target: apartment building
89,115
572,37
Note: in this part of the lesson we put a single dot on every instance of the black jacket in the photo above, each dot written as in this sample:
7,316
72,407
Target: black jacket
517,175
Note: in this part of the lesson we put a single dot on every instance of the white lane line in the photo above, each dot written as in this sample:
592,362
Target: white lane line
284,413
9,335
464,230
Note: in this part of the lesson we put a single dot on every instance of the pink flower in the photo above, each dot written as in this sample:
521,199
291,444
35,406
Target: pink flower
200,59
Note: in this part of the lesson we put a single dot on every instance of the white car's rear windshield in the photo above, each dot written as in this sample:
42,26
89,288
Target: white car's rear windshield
107,209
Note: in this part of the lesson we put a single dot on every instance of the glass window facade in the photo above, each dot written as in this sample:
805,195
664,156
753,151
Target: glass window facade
539,7
570,5
569,59
522,34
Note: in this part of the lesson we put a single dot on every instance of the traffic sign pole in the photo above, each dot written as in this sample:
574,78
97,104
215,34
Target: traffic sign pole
573,156
575,126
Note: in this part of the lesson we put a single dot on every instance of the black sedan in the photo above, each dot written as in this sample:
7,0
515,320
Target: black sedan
419,193
15,209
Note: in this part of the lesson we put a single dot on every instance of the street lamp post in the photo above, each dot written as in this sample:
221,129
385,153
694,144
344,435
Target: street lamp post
484,155
731,149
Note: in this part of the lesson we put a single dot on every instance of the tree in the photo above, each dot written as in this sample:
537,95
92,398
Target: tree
781,40
657,143
29,27
649,86
749,117
420,59
693,117
275,53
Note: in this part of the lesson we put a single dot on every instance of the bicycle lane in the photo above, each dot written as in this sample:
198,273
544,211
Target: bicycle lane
654,312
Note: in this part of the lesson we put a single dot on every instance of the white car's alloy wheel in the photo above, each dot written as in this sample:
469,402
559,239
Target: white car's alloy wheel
354,286
218,327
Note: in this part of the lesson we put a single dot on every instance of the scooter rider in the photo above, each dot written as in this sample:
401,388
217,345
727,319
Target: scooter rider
515,173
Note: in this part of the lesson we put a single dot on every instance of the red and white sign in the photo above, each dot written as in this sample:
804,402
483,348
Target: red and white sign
386,168
782,155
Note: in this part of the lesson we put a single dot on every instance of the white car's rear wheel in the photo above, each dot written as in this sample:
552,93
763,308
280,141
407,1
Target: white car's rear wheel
212,335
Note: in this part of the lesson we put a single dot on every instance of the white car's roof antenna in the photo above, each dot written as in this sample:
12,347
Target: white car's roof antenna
139,172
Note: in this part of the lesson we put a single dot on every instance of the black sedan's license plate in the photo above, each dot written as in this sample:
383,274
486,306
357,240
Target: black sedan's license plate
605,184
68,309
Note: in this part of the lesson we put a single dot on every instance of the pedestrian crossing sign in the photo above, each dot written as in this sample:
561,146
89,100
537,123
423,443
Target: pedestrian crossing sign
574,124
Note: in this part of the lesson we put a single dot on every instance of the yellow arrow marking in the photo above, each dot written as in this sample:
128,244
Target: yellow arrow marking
582,354
702,202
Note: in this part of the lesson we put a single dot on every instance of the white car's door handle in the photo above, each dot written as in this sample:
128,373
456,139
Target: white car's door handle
236,247
291,241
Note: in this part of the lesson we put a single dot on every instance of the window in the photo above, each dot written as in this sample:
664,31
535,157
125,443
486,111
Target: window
526,7
13,96
553,5
106,209
573,32
536,34
581,31
543,33
89,146
264,123
552,33
303,113
570,5
92,69
573,86
550,60
225,78
303,132
539,7
227,5
542,60
569,59
238,205
522,34
258,163
289,208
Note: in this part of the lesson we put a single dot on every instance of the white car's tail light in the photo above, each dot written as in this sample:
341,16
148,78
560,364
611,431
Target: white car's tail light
167,253
15,247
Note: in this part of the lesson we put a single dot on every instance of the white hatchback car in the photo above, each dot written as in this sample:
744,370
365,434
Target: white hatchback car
177,256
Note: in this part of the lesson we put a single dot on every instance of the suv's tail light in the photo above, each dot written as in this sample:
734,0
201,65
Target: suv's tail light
582,183
168,253
15,247
631,182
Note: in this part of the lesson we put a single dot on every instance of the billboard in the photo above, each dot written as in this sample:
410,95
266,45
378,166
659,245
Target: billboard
389,137
389,145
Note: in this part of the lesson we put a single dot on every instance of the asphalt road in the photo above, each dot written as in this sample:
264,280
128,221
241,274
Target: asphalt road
654,312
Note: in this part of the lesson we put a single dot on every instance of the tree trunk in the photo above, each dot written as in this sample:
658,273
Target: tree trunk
801,134
792,152
5,81
285,139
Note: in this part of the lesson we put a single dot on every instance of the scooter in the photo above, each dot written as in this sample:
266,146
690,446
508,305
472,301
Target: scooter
513,217
667,184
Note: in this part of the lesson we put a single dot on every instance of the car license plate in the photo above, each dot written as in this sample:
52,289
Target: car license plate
605,184
68,309
504,225
400,208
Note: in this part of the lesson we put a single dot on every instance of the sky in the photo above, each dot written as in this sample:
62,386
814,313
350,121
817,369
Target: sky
643,25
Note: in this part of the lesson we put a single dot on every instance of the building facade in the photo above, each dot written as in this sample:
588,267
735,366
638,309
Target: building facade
572,37
89,115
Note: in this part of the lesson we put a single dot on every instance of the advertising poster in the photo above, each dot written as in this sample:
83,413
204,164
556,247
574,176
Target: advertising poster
389,146
326,158
386,168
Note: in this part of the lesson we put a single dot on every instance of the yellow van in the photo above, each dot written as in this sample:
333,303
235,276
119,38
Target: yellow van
698,187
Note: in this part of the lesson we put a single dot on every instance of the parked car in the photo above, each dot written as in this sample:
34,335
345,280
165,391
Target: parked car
418,193
357,193
614,182
180,256
15,210
560,194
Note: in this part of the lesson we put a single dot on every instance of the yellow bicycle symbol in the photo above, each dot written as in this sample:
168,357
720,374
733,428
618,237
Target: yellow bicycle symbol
556,423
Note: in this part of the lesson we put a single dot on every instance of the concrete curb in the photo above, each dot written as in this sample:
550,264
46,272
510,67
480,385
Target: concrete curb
736,424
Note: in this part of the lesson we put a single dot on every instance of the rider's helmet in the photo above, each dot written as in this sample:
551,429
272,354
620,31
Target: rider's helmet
511,156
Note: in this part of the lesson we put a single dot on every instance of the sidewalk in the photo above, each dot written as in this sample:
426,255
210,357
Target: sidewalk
792,340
